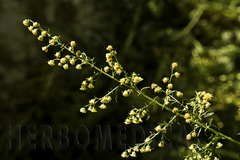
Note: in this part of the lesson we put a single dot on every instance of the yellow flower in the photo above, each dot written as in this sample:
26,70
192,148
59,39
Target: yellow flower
109,48
174,65
26,22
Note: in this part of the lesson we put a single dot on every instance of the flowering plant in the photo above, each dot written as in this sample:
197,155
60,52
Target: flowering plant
194,111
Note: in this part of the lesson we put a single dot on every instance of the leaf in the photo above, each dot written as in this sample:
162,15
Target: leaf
208,114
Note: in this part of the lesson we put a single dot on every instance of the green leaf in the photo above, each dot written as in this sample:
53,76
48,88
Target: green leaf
208,114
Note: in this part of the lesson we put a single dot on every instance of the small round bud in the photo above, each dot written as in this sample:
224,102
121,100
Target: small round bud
106,69
194,134
125,93
83,110
51,63
35,24
109,48
161,144
26,22
35,31
170,86
157,89
188,137
90,85
133,154
124,155
73,43
57,54
92,102
179,94
176,74
175,110
59,64
40,38
44,33
165,80
83,88
30,28
188,120
52,42
72,61
45,48
174,65
219,145
158,128
65,66
78,67
102,106
63,60
187,115
207,105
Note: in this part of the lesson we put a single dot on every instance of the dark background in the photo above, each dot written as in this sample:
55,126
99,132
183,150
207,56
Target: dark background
202,36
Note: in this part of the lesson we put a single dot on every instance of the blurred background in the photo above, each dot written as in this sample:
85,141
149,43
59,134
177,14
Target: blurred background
203,36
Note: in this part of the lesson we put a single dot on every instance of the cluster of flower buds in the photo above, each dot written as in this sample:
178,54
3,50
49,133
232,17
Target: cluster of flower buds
112,62
201,152
63,61
92,103
156,88
132,151
88,83
135,116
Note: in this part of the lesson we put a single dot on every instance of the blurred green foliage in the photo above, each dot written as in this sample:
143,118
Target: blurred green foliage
202,36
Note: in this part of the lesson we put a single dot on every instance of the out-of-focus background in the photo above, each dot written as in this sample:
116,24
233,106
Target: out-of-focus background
202,36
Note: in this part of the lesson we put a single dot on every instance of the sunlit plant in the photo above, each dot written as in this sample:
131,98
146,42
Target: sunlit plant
194,111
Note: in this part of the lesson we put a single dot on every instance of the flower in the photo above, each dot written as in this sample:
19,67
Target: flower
133,154
44,33
157,89
35,24
188,137
83,110
72,61
124,154
176,74
137,79
188,120
30,28
57,54
207,97
78,67
91,86
174,65
175,110
170,86
122,80
165,80
26,22
73,43
158,128
179,94
63,60
161,144
109,48
34,31
106,69
52,42
65,66
51,63
125,93
45,48
40,38
219,145
102,106
92,102
187,115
